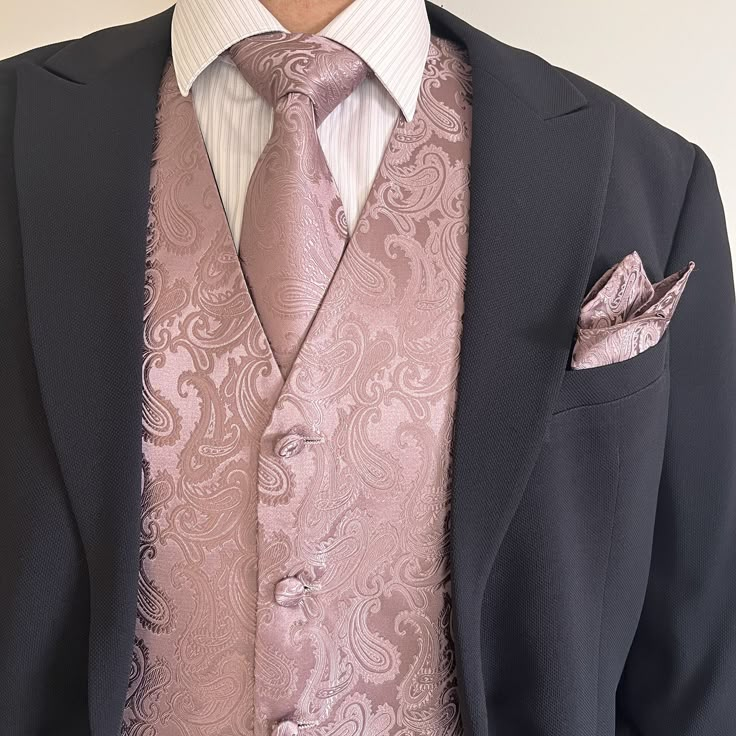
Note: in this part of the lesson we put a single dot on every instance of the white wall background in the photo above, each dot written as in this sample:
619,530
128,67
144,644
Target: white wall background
673,59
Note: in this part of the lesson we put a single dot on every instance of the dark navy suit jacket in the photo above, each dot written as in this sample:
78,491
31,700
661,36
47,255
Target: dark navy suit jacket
593,511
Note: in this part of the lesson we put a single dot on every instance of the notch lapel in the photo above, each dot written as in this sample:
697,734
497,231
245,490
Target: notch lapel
540,163
83,154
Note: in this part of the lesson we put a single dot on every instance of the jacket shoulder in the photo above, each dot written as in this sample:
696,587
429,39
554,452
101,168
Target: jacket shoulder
651,173
637,134
535,79
549,88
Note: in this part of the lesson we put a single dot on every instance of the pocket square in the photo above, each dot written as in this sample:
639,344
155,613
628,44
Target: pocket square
624,314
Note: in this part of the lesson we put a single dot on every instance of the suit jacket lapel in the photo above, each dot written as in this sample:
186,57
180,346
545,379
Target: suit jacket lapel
83,140
540,163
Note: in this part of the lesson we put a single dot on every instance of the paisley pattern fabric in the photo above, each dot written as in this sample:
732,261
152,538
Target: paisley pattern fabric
294,534
289,258
315,68
623,314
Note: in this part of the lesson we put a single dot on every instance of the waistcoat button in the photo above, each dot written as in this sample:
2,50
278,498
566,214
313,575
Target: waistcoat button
285,728
293,443
289,592
290,445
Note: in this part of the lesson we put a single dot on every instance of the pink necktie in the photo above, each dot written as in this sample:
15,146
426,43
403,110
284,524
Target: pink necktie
294,225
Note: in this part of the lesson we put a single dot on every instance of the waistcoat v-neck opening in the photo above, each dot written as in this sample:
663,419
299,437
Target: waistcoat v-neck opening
360,225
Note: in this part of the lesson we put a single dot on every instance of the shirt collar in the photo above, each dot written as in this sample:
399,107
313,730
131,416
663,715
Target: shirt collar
391,36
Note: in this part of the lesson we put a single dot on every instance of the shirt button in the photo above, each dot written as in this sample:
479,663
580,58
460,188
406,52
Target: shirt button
285,728
289,592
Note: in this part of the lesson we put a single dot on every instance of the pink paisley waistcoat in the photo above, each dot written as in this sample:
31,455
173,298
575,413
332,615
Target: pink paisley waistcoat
294,531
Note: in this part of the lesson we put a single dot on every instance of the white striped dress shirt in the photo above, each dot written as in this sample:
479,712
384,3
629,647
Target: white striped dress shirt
391,36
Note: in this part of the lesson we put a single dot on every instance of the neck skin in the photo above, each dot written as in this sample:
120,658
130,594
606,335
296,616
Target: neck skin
305,16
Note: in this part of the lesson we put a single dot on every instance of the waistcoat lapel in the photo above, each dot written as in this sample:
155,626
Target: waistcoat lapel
83,155
540,163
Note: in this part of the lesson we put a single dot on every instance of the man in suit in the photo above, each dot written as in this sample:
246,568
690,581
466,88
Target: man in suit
286,551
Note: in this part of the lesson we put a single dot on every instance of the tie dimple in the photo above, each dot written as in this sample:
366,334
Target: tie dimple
294,226
278,64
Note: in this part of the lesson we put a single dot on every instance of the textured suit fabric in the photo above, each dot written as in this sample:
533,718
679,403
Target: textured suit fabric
45,570
594,511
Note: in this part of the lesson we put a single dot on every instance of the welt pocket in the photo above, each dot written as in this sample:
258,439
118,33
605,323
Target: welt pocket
584,386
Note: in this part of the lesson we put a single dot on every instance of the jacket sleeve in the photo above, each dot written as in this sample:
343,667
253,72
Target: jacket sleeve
680,674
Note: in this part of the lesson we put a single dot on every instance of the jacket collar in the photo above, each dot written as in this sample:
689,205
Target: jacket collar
541,157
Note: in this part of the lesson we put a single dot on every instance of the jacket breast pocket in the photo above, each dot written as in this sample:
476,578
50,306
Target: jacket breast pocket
587,386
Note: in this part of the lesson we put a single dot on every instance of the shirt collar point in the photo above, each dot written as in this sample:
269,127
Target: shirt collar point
184,84
181,81
409,111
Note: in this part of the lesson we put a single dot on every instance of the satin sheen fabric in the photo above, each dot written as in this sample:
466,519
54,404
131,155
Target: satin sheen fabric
294,531
294,225
623,314
236,122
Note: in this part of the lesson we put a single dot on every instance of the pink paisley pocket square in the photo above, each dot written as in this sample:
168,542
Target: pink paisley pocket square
624,313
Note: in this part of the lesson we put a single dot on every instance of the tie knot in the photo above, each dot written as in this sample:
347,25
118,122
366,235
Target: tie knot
278,64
